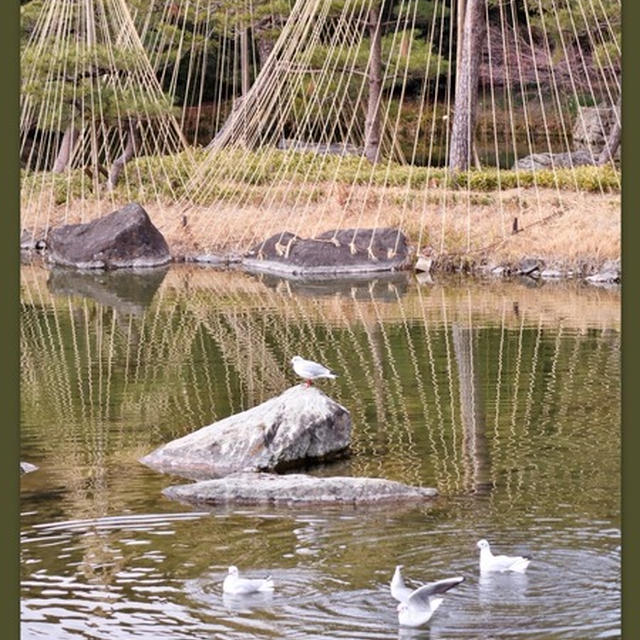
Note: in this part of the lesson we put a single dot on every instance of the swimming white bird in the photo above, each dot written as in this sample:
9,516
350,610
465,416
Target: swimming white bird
399,591
310,370
489,562
422,603
234,584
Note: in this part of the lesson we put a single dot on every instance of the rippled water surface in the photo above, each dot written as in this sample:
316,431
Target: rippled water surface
503,396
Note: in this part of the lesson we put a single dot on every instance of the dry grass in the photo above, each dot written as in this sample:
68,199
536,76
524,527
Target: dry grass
560,226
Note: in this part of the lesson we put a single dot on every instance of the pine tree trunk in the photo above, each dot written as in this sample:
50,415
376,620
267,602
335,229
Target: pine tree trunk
460,5
244,75
612,141
233,122
128,153
69,140
372,122
244,61
466,98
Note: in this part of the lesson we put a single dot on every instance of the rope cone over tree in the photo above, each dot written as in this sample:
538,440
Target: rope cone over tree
308,115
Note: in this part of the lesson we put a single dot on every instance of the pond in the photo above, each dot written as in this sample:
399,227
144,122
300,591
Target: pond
505,396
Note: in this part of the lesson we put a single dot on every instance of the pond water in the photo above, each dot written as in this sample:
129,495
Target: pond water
504,396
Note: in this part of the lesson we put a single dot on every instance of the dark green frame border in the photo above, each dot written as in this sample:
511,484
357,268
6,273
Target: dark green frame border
9,354
630,315
9,340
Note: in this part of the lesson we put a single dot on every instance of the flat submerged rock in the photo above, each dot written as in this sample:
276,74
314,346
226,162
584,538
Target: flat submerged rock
297,489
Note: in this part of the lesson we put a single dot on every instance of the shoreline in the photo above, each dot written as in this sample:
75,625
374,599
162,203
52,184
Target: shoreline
562,234
532,269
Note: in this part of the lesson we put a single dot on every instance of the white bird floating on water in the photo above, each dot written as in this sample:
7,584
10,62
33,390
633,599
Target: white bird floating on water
310,370
489,562
234,584
418,605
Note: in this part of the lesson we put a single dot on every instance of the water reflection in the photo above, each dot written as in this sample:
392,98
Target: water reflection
246,603
472,413
368,286
218,346
502,588
126,291
505,398
408,632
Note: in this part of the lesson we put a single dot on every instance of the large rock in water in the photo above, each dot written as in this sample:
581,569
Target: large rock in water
293,489
124,238
301,425
332,252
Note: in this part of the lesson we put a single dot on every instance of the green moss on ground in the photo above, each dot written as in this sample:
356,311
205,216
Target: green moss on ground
233,170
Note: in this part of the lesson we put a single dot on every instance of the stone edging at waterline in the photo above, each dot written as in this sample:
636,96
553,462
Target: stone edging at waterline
333,253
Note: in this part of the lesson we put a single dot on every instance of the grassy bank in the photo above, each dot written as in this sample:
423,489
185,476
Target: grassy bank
233,171
567,217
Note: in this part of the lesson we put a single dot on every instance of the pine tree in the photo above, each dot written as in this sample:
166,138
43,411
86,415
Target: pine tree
84,96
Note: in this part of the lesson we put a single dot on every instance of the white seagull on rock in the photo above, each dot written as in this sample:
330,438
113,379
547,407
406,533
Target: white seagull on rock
234,584
310,370
489,562
418,605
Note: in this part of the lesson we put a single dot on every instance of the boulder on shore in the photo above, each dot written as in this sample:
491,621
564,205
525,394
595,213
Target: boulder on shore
124,238
530,267
592,127
299,426
321,148
568,160
609,273
334,252
294,489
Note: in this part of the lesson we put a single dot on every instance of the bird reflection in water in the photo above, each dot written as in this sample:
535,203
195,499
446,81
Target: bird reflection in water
245,603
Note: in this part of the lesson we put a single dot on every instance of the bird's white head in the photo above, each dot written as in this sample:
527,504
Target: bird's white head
233,571
482,544
295,359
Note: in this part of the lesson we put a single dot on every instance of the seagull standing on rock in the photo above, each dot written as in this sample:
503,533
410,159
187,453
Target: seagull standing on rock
418,605
489,562
310,370
236,585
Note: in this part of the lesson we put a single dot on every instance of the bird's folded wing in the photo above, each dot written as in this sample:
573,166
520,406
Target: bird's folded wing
504,562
